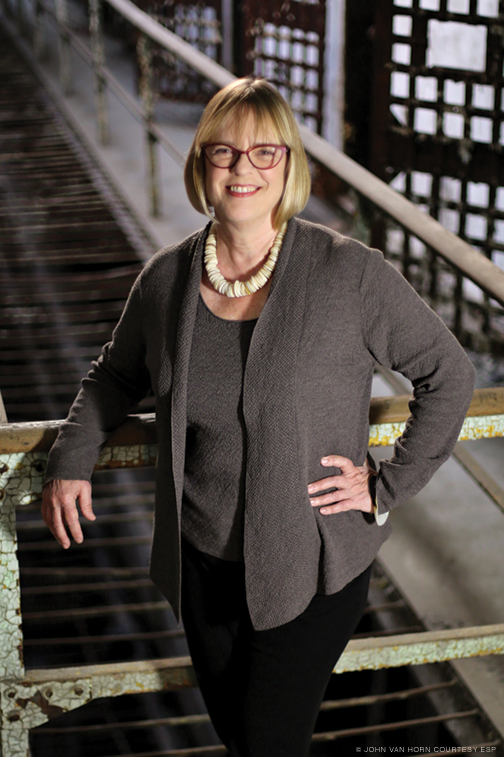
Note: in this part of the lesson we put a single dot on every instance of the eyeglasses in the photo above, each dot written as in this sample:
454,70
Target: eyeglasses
261,156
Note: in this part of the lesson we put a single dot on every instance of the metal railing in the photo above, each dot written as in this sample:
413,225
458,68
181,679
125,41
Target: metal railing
432,258
458,253
29,698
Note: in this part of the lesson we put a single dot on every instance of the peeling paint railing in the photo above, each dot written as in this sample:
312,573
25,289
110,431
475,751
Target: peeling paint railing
30,698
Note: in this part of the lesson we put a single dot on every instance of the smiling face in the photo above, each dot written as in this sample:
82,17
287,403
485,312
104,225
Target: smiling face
244,196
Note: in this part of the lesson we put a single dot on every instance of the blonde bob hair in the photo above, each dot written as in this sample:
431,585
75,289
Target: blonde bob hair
271,113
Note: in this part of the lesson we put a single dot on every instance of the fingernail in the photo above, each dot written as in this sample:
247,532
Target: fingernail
324,511
313,502
324,460
310,488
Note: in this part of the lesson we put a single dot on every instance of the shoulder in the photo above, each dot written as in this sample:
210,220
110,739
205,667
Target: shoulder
330,249
170,257
166,272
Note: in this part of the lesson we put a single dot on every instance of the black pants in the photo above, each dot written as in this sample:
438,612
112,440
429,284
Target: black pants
263,689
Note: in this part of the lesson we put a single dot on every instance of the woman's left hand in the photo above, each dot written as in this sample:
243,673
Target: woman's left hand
352,487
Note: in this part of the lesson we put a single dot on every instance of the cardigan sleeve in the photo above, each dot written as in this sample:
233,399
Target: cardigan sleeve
404,334
117,381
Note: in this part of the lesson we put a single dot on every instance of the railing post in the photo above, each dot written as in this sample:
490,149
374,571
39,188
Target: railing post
20,16
13,736
147,95
98,53
65,71
39,39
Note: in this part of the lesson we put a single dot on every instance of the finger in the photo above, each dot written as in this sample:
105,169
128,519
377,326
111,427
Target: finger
71,518
57,528
331,482
85,503
333,509
329,498
338,461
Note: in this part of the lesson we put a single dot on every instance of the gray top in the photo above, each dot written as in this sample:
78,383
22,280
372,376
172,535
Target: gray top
334,310
214,475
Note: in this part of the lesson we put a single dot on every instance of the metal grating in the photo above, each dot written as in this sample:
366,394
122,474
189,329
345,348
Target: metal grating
197,23
437,136
285,42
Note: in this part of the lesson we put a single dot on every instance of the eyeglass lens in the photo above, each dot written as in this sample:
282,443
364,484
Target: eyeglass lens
262,156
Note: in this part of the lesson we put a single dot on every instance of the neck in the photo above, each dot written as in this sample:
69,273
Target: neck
243,249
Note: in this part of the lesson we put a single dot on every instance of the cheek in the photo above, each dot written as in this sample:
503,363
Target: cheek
211,188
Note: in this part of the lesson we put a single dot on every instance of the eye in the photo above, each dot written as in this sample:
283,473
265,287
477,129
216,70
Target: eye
221,150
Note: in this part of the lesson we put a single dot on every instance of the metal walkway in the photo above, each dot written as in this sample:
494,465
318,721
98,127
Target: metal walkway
69,252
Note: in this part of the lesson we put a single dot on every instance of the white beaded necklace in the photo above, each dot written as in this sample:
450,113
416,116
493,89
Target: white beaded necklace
239,288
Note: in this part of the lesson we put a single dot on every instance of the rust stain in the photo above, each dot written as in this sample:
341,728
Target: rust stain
50,710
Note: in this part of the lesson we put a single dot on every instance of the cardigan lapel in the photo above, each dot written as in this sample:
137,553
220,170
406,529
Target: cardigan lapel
187,318
274,527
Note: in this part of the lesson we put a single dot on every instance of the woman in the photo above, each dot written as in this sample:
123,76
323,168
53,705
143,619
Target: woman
258,336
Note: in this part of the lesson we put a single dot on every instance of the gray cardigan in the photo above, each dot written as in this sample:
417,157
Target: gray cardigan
335,309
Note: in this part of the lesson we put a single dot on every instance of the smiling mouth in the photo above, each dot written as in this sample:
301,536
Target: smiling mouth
238,189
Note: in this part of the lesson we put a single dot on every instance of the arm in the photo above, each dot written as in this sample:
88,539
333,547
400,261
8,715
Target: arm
114,385
402,333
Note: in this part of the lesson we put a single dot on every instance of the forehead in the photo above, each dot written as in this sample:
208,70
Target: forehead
237,130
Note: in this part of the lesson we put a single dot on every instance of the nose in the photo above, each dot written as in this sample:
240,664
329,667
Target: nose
242,163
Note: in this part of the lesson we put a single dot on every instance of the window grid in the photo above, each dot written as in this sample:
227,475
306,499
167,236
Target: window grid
197,23
286,45
446,123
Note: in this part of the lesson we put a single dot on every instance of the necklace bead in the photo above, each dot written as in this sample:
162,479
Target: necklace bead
240,288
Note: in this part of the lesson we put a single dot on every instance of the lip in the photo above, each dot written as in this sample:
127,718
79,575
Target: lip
242,192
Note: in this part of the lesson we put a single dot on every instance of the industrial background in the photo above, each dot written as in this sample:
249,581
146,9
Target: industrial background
401,106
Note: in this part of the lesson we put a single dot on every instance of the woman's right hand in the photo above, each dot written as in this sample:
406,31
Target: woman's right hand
59,509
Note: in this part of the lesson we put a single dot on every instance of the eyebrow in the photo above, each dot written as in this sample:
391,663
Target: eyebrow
256,144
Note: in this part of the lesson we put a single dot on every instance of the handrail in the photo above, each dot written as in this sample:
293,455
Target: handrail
38,436
458,253
454,250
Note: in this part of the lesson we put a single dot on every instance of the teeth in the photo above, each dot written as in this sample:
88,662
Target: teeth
239,188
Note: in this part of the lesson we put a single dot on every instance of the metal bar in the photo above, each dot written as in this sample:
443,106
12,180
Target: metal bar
388,632
98,56
139,583
194,751
95,612
132,725
343,734
144,53
65,71
35,525
141,429
204,718
84,571
89,543
421,648
11,635
104,638
42,694
394,696
39,39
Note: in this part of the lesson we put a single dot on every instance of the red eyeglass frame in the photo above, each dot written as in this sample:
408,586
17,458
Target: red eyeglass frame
285,150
